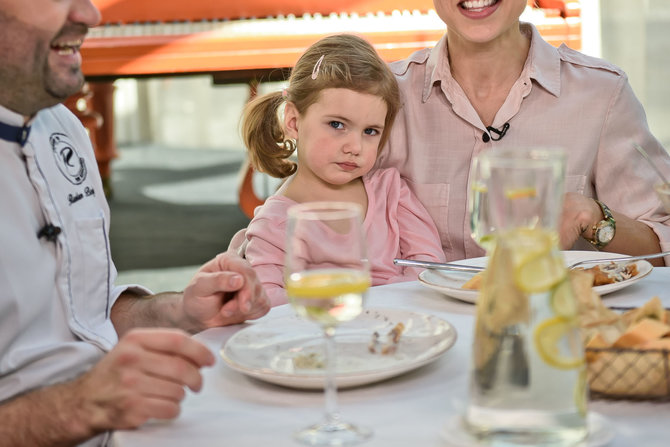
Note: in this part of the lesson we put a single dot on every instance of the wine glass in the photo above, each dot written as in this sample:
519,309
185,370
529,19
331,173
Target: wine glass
481,227
326,276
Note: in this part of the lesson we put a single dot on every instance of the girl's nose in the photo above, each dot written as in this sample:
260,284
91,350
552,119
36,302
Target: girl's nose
353,145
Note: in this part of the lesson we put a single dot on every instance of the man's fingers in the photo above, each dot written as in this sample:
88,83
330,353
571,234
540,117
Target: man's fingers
149,408
226,262
259,312
172,342
166,369
210,283
145,384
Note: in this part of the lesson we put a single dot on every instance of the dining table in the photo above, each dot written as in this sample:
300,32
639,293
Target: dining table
415,408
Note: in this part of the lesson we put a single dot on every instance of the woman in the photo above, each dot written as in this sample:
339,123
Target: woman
492,81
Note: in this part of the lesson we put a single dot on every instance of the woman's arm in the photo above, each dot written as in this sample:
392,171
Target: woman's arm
632,237
624,181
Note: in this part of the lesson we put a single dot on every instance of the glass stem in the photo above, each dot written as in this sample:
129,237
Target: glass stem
332,412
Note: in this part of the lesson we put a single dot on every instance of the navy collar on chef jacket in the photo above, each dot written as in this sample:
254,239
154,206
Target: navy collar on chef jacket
14,134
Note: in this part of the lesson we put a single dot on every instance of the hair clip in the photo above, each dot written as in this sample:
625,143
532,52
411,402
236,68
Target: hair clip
315,72
284,93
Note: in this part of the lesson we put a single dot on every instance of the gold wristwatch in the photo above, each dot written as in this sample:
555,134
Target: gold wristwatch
603,231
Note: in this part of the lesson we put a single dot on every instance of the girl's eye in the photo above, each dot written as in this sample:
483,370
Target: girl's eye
336,125
370,131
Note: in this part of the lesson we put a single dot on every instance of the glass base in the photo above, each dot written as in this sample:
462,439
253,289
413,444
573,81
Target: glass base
333,434
455,434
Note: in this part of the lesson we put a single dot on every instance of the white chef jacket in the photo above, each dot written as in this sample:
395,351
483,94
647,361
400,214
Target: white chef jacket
55,295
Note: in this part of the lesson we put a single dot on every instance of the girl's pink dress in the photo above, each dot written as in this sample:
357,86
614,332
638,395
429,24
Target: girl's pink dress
396,226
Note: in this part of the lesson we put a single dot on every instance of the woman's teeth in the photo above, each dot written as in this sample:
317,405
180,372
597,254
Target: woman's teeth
477,4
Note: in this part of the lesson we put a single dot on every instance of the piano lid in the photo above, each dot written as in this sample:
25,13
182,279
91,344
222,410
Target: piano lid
130,11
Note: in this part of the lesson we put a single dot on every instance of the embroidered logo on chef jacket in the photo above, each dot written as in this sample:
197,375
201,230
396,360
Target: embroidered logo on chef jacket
70,164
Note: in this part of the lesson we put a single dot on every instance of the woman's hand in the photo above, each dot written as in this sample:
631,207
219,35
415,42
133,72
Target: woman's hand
579,215
632,237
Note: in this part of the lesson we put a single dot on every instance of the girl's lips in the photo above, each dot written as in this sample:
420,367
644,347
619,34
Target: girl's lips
347,166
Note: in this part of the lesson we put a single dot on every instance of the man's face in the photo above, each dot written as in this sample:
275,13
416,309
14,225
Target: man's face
40,63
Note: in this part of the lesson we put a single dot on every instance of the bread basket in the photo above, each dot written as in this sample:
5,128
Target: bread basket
628,373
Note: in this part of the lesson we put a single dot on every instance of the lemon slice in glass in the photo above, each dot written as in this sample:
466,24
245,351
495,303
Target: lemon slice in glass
325,283
550,334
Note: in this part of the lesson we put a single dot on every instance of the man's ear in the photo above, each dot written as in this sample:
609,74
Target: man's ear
291,119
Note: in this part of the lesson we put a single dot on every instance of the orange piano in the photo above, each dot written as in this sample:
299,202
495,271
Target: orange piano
254,41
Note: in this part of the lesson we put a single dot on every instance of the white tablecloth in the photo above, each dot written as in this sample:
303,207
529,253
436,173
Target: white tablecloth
409,410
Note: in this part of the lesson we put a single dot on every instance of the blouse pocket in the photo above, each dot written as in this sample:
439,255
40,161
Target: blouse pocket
90,270
435,198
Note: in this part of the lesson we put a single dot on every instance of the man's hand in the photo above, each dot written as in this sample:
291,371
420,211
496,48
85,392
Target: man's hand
224,291
143,377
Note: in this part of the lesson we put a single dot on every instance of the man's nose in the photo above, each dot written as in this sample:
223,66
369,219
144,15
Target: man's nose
85,12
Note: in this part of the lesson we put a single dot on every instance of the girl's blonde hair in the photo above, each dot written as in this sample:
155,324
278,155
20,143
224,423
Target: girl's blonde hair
338,61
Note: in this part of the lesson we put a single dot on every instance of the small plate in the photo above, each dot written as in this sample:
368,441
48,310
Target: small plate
288,351
450,282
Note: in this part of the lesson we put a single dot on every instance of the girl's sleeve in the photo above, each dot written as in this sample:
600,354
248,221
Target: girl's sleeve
265,252
419,238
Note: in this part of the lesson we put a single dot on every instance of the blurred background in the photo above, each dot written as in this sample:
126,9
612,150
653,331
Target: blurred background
175,180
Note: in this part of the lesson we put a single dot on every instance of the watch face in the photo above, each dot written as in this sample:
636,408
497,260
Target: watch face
605,234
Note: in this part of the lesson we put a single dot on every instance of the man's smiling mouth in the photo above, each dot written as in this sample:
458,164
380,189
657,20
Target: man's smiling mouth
67,47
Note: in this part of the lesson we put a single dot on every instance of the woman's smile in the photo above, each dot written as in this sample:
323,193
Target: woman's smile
479,8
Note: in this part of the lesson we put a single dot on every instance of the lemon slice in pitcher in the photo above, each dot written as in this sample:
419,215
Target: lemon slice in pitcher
562,299
538,267
548,336
521,193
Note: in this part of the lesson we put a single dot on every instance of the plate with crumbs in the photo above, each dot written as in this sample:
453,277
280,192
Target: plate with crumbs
378,345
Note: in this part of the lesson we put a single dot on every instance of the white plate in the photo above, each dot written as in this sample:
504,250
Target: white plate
266,350
450,282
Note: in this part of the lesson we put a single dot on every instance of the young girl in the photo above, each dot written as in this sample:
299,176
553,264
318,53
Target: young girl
338,110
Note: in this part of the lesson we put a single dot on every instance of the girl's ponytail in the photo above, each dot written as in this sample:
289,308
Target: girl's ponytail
263,135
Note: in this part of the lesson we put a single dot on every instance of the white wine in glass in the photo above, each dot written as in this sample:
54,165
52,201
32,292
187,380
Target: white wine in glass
326,276
481,227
